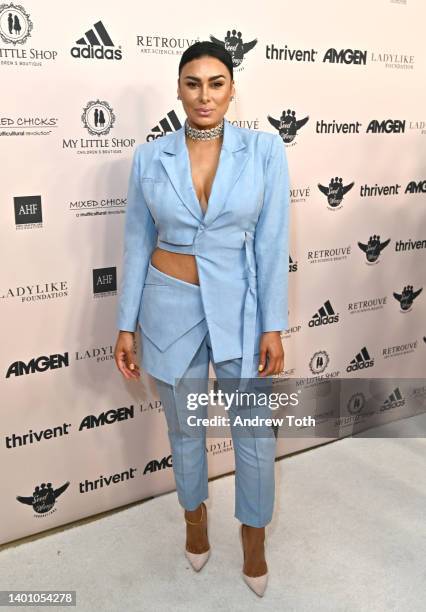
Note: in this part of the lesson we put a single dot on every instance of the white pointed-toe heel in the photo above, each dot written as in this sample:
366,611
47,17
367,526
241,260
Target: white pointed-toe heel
256,583
198,560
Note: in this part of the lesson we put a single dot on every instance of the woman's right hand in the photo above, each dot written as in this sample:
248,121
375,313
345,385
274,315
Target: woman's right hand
124,355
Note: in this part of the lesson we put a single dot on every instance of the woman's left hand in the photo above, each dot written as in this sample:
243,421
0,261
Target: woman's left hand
271,350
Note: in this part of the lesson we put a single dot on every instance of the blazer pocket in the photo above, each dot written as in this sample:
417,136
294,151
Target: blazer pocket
167,313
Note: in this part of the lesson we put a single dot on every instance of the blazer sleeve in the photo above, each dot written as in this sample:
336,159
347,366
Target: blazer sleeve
272,241
140,238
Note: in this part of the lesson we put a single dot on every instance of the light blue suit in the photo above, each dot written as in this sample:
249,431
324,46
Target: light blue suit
240,245
241,250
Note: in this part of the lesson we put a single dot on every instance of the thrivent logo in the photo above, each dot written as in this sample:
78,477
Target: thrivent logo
96,44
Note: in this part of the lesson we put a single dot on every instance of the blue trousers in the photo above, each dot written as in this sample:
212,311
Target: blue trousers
254,446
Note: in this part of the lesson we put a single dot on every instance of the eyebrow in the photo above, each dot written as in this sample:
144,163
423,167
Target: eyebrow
210,78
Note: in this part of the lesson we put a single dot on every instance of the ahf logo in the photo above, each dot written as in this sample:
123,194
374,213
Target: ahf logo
28,211
98,117
15,24
104,281
235,46
287,125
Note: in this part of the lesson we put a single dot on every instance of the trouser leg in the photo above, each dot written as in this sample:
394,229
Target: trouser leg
254,450
188,443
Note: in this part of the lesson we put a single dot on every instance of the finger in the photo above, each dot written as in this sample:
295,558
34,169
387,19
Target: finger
130,360
265,370
262,360
124,366
271,366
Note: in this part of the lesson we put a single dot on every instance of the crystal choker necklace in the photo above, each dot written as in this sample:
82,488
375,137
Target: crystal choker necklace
209,134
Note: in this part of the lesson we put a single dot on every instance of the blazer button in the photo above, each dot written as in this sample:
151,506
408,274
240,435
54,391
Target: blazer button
201,227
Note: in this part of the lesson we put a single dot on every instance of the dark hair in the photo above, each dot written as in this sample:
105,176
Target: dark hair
205,47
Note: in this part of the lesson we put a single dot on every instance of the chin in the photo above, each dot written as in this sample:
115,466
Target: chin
204,121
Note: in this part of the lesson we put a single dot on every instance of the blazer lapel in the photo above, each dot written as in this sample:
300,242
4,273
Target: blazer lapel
233,157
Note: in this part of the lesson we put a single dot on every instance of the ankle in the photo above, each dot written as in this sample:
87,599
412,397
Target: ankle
195,516
255,534
254,551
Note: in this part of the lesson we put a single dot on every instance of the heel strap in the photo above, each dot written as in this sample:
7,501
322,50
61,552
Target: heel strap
201,519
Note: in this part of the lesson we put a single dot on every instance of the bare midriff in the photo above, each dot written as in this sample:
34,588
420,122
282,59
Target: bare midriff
179,265
204,159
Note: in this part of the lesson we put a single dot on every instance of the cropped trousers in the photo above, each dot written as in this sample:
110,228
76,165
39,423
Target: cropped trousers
254,443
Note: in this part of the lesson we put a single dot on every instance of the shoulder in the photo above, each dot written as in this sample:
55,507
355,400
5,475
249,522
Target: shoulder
260,139
151,145
147,150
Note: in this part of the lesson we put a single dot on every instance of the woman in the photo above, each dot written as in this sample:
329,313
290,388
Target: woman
206,276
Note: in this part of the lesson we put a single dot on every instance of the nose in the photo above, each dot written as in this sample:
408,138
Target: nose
204,92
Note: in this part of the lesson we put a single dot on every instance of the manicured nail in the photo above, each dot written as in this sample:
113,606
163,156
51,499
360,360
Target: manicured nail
260,367
132,367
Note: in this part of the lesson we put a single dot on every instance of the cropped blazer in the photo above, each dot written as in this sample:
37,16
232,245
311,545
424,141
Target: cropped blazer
241,242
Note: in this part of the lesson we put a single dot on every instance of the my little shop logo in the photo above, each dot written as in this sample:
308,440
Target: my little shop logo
98,118
15,24
15,29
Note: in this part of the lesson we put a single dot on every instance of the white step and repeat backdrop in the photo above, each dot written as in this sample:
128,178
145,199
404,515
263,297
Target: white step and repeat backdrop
82,85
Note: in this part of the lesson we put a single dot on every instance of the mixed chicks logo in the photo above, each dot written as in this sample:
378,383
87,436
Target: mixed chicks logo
98,117
287,125
15,24
235,45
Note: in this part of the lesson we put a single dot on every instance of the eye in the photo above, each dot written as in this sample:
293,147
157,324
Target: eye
218,83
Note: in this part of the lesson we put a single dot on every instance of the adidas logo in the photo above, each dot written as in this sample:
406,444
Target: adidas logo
96,44
292,265
361,361
324,316
394,400
168,124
